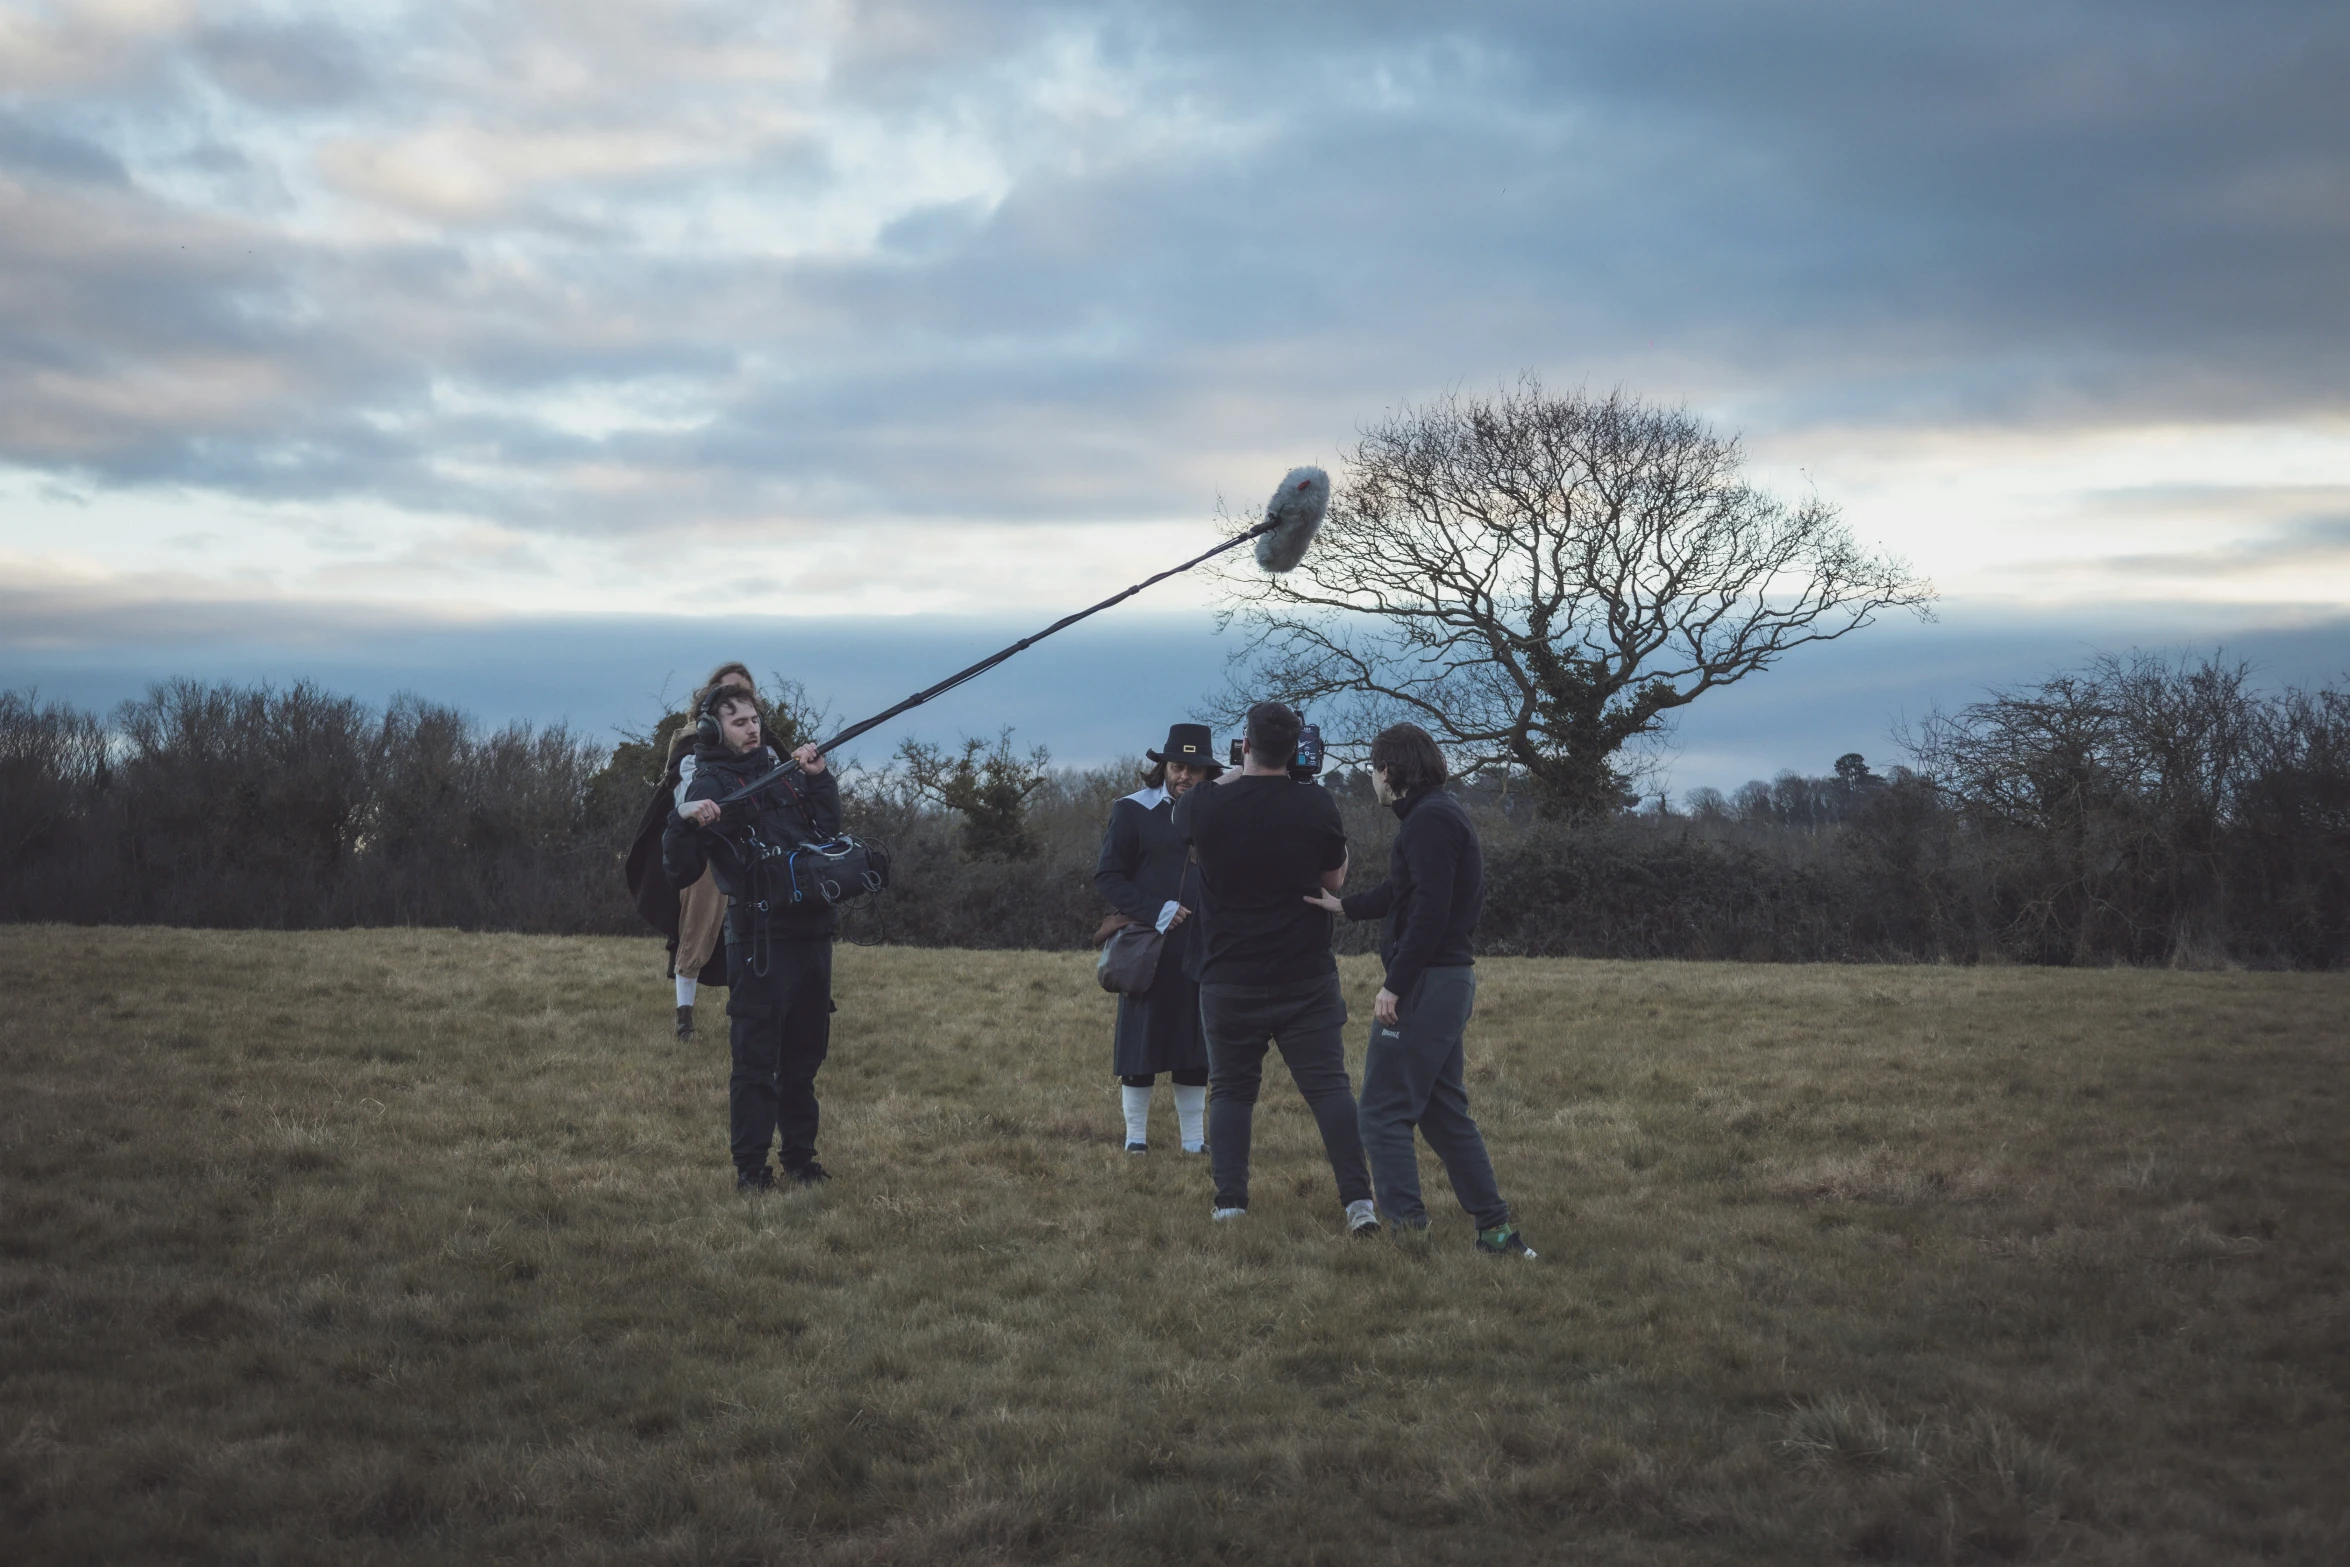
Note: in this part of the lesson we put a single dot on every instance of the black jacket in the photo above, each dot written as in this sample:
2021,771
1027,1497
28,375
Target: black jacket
1434,891
798,808
1143,864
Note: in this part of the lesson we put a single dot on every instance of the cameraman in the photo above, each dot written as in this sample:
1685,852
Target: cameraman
1265,842
1412,1072
778,960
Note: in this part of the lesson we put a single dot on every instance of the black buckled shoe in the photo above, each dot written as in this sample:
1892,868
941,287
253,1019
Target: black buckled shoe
685,1022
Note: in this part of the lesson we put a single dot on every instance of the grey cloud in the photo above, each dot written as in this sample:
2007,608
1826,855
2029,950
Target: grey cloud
157,609
2316,542
55,152
1817,209
279,65
934,234
2063,183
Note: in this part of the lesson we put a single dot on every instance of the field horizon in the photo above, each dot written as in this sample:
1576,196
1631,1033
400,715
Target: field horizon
410,1245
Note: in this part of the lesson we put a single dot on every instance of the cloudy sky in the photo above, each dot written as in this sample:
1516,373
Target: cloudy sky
518,329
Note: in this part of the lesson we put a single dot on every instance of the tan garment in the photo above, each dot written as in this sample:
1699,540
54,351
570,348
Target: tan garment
701,919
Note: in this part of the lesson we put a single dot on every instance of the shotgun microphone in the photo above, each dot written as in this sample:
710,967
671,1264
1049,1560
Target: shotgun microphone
1292,518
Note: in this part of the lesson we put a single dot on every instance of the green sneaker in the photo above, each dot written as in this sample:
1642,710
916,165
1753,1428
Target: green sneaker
1503,1240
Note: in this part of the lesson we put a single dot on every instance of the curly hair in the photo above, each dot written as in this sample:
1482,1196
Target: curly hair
723,675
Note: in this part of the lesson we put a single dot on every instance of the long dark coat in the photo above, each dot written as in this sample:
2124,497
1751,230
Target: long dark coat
648,888
1142,866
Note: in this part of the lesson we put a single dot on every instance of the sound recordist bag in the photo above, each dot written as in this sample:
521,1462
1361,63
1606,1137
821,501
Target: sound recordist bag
836,872
840,870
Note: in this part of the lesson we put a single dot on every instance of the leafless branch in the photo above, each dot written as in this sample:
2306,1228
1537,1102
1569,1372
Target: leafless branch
1542,581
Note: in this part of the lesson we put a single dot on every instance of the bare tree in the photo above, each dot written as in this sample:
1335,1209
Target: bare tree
52,760
2107,797
1540,581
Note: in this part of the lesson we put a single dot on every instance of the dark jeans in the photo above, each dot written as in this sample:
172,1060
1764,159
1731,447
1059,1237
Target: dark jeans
782,1029
1412,1076
1309,1023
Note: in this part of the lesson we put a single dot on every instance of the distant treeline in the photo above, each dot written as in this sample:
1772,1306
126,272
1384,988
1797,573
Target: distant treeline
2137,811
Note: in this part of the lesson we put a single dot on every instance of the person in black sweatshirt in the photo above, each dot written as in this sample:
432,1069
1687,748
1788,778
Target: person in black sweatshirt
1266,976
1412,1072
778,952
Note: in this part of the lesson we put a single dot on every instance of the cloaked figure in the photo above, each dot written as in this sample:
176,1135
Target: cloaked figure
692,918
1145,876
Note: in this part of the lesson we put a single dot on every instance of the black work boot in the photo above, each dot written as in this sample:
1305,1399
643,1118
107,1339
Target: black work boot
685,1022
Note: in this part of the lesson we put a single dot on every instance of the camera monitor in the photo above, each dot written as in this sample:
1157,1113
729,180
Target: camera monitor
1306,764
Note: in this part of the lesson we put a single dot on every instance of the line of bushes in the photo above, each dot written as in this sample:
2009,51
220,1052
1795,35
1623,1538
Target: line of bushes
2137,812
297,809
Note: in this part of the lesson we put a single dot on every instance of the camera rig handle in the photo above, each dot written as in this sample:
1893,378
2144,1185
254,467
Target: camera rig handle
984,665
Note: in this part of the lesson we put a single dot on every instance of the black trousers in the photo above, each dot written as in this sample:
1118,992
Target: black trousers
1308,1021
781,1032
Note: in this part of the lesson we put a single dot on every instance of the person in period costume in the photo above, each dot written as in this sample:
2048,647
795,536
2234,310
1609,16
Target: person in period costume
1144,875
692,918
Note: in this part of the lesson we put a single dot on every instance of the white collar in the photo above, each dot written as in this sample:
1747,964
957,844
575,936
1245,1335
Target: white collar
1149,799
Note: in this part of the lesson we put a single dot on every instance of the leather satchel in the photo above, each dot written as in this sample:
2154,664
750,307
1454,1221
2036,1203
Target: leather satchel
1129,961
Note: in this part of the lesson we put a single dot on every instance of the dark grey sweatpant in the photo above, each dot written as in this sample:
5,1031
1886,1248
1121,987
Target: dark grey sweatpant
1309,1023
1412,1076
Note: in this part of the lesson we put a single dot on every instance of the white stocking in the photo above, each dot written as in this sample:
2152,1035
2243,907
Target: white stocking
1191,1115
1138,1113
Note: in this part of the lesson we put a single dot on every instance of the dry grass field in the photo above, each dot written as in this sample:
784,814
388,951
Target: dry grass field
405,1246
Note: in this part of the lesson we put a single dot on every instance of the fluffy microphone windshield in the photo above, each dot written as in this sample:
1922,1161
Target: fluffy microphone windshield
1296,514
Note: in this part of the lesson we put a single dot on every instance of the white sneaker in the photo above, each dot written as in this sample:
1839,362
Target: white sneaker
1221,1214
1361,1217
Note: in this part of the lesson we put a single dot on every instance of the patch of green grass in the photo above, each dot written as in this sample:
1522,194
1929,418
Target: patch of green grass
413,1246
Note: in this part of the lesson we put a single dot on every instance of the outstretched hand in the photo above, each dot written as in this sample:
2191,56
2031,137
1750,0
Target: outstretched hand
1326,901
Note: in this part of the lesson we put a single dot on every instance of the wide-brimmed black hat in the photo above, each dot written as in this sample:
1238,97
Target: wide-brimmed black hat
1191,744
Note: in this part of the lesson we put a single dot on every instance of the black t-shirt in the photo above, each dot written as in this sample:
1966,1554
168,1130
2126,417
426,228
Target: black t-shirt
1263,843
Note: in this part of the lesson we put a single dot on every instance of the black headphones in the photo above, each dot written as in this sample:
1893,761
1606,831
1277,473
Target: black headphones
706,725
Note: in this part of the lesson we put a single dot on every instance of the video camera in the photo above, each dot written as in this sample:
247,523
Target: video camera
1306,764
